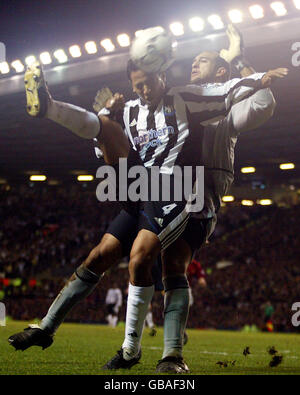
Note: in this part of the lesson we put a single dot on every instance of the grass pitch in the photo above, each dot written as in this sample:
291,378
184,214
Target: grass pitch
83,349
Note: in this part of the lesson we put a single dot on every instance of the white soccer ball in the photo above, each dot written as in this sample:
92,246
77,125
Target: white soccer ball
152,50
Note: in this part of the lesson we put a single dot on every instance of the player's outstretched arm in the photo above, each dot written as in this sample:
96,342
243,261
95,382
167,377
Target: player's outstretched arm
253,112
272,75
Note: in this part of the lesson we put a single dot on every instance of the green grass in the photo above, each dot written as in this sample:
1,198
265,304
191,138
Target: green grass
83,349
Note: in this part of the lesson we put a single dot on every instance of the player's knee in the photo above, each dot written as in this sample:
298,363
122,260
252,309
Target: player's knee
104,255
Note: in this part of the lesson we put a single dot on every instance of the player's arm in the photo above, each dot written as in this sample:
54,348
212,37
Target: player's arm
113,141
253,112
212,102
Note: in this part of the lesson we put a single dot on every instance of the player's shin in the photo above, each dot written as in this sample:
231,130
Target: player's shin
81,284
175,314
83,123
137,308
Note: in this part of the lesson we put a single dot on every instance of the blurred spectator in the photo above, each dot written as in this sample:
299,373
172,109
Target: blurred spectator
46,232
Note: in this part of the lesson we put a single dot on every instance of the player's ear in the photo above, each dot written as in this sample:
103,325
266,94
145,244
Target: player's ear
221,72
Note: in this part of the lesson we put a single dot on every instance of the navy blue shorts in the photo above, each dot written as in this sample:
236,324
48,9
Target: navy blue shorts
125,228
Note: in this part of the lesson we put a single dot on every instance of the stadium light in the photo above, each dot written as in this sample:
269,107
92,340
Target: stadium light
227,199
30,59
17,65
196,24
75,51
60,55
85,178
4,68
287,166
256,11
45,58
248,203
216,21
236,16
38,178
247,170
279,8
177,28
108,45
123,40
264,202
91,47
297,4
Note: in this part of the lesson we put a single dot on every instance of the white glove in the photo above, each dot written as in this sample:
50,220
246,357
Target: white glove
236,45
101,99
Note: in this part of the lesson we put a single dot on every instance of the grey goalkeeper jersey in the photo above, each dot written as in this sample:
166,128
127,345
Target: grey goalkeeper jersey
219,143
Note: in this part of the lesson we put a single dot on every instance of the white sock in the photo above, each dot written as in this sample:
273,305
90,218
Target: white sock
114,321
108,319
149,319
83,123
137,307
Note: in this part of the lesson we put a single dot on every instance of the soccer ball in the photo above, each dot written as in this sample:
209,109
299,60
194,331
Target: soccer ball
152,50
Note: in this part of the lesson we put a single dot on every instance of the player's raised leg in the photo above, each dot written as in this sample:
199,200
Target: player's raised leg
85,124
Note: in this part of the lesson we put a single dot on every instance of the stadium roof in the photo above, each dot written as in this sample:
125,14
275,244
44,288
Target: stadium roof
31,145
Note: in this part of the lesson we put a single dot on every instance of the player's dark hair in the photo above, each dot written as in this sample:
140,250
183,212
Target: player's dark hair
220,62
131,66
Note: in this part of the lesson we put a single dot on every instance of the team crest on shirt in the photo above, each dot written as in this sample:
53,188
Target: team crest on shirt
169,110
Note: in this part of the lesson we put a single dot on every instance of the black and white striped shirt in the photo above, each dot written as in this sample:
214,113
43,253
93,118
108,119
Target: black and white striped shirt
172,133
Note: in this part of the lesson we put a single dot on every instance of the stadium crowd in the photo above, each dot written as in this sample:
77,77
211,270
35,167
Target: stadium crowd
45,232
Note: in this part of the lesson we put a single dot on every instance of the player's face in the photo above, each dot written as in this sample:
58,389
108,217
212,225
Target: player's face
203,68
149,87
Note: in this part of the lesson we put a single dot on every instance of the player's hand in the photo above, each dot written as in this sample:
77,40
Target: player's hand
116,103
273,75
236,44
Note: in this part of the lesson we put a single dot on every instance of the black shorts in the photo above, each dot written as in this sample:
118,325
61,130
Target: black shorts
110,308
167,220
168,216
124,228
195,234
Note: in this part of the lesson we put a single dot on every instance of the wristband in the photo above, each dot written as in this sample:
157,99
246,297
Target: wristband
240,63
